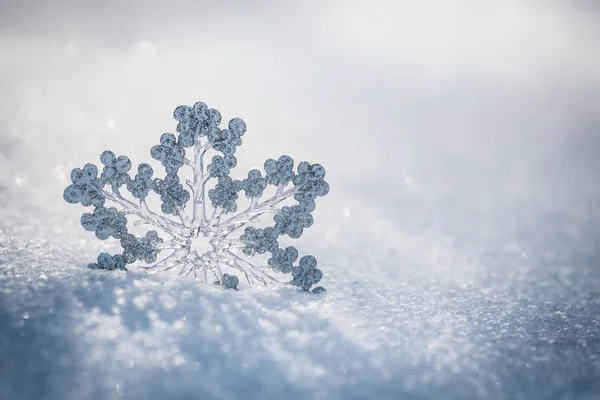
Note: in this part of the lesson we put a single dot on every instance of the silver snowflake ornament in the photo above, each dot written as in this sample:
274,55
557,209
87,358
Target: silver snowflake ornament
203,208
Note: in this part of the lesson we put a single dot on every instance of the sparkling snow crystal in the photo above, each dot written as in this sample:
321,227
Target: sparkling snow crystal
203,213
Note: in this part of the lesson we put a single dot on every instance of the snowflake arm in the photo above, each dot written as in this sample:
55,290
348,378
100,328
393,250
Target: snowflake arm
212,186
171,261
256,210
171,227
199,184
249,269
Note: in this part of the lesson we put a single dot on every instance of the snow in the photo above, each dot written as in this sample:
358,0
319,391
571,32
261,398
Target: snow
404,316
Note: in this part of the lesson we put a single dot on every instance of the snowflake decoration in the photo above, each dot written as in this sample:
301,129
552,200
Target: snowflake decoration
199,213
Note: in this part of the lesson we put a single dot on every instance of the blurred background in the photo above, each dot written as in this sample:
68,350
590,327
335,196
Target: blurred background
461,138
454,115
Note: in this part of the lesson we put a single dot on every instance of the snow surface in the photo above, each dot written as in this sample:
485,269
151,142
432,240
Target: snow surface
405,316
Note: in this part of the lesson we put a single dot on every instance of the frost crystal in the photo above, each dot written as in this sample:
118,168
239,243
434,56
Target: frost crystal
206,207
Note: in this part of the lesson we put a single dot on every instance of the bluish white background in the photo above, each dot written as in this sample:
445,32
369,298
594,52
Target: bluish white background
459,242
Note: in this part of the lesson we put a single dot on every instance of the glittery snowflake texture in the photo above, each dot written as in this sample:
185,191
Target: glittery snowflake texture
199,223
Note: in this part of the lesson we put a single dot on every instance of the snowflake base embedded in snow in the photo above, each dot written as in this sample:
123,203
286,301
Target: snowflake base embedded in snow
202,213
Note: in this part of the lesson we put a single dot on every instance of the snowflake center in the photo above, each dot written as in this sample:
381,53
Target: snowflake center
200,245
